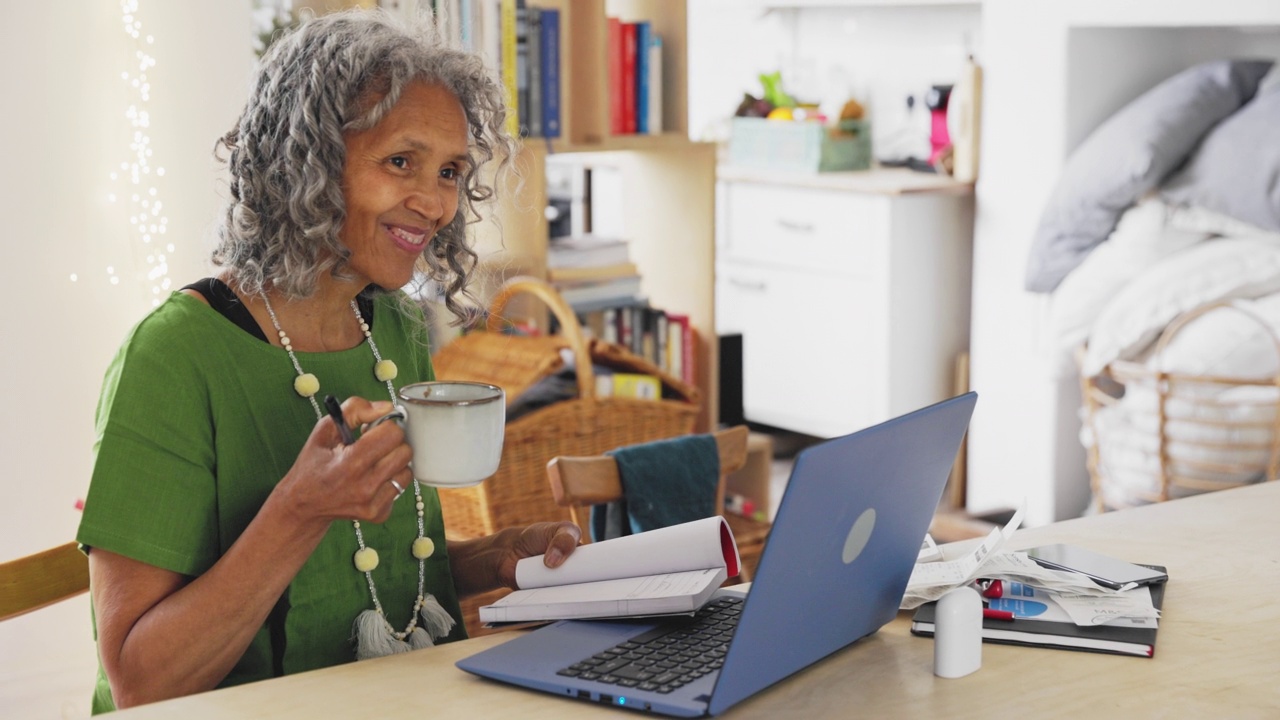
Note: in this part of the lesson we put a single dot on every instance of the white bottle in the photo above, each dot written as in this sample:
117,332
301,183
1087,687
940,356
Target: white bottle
964,116
957,633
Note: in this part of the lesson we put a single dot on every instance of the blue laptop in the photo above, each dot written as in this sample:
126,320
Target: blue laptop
834,569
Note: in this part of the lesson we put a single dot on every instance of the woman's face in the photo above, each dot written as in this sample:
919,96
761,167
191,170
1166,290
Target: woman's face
401,183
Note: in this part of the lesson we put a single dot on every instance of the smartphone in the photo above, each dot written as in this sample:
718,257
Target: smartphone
1102,569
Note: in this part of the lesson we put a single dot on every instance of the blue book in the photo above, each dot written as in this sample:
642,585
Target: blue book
643,35
550,60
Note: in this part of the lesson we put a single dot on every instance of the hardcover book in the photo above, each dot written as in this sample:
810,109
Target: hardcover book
550,54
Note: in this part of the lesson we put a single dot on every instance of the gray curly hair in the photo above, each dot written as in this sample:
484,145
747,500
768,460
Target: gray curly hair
335,74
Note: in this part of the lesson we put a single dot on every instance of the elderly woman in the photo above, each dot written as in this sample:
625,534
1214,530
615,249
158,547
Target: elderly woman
224,510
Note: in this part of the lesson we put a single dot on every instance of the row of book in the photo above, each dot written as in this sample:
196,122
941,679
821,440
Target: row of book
522,41
635,78
663,338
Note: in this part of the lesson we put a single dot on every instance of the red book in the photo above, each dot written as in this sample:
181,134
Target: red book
680,350
629,78
616,121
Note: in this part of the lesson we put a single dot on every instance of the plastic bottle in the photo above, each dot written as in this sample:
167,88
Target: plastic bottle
965,115
957,633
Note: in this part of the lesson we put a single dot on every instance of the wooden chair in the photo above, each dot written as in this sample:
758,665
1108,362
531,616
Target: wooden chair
35,581
580,482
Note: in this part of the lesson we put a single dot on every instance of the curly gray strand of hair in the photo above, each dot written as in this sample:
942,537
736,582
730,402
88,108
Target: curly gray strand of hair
335,74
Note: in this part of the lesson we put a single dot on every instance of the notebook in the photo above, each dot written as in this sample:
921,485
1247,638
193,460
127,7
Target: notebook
842,547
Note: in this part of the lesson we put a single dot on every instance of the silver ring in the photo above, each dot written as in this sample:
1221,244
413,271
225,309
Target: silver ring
399,490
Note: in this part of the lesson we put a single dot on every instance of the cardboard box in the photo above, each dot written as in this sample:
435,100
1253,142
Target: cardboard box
753,480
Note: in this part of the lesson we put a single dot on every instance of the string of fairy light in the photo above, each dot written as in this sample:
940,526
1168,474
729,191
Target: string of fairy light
134,180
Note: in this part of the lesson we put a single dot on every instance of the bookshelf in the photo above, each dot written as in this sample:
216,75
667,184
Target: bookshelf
668,181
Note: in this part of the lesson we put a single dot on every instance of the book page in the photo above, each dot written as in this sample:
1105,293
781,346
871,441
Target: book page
682,592
698,545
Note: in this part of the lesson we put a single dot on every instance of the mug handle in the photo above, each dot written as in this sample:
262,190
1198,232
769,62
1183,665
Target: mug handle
397,415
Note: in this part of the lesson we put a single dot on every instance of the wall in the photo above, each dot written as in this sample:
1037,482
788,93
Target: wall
65,131
877,55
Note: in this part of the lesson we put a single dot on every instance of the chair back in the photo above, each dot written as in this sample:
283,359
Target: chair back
35,581
580,482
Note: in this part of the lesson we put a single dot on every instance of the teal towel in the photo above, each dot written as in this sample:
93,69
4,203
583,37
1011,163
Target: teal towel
666,482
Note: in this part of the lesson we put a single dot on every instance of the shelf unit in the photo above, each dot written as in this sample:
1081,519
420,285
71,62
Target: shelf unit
667,180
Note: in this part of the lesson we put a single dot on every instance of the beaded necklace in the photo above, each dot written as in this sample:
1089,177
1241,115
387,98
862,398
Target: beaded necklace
374,634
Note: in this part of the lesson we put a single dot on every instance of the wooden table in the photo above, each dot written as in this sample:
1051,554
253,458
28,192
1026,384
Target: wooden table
1217,653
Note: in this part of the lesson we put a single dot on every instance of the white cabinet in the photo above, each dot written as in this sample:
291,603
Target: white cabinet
851,292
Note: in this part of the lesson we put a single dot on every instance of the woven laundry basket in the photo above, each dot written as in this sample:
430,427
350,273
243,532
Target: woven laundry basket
1154,435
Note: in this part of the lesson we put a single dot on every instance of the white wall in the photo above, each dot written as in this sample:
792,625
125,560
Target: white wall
65,130
877,55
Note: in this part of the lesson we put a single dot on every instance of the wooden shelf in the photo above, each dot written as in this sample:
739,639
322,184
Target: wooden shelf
879,181
668,180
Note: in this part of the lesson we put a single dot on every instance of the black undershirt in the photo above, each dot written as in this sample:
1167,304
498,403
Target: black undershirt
224,300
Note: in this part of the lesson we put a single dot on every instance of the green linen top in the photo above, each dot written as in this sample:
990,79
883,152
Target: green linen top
197,422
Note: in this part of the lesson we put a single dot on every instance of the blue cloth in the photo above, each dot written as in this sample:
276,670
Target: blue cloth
666,482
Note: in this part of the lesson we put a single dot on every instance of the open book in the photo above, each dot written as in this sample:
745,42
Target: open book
667,571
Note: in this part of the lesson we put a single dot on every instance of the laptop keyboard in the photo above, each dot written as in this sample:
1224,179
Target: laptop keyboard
667,657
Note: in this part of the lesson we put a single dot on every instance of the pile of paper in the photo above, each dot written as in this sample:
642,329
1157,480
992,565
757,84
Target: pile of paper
1086,602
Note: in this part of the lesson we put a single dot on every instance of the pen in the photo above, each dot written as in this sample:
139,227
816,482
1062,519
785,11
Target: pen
335,412
989,614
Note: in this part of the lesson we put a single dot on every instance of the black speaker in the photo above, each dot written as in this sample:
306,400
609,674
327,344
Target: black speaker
731,412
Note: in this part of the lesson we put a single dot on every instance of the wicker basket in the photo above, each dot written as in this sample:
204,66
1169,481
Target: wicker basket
519,493
1154,435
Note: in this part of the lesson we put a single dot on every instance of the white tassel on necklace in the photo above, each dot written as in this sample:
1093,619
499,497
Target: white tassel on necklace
374,636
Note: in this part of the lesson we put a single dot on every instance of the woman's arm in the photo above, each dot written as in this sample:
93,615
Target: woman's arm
163,635
489,562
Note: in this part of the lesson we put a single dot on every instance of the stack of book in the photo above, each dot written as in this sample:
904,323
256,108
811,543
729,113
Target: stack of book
593,272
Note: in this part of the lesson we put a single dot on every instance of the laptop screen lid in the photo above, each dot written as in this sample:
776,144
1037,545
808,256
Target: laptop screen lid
842,546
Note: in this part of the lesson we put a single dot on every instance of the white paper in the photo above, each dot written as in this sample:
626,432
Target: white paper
696,545
1131,608
931,580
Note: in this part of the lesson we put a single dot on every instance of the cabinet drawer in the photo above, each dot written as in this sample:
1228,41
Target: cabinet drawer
822,230
812,348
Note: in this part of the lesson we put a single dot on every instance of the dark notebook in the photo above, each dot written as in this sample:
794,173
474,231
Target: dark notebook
1062,635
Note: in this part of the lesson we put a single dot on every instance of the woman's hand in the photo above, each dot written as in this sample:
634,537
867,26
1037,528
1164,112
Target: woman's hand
331,481
490,562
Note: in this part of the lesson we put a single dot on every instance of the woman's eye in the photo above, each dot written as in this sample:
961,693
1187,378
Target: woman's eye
450,173
399,161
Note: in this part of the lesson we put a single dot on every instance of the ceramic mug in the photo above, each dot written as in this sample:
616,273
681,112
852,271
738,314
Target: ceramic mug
455,430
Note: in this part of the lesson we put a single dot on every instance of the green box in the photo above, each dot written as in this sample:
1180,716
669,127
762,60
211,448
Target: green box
804,146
